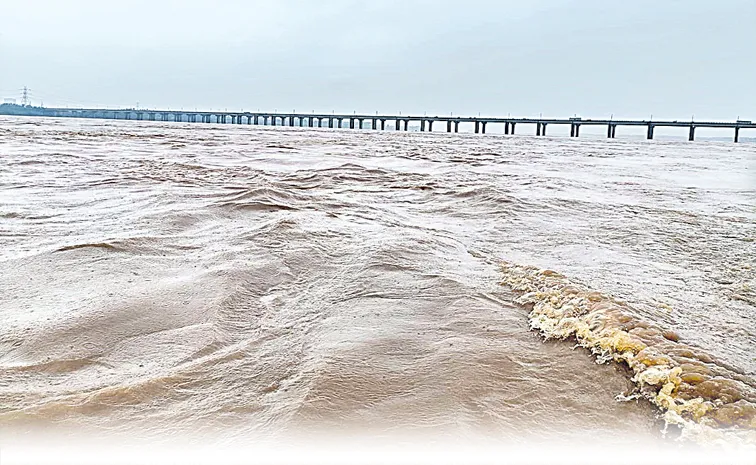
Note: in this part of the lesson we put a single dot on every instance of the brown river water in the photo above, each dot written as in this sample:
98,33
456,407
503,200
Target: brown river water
204,281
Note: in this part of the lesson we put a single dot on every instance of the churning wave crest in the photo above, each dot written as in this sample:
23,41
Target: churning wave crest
693,389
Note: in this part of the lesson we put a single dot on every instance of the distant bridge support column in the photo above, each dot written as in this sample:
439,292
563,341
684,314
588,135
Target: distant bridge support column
483,127
383,125
609,131
543,129
506,128
577,130
692,133
351,123
477,127
512,128
374,124
538,129
650,132
406,124
737,133
422,125
448,126
362,123
430,125
341,122
291,121
456,126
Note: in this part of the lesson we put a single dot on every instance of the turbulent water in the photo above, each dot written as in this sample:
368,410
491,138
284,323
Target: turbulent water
164,280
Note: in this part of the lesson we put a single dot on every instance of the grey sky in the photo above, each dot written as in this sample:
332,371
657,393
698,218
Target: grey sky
557,57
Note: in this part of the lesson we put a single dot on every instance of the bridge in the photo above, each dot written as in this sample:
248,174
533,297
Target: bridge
356,121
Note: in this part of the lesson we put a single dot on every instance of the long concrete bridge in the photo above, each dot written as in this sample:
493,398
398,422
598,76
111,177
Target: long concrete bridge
399,122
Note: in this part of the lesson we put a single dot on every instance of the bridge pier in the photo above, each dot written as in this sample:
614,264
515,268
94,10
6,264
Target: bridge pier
538,129
456,126
650,132
543,129
477,127
351,123
341,122
383,125
406,125
692,133
737,133
430,125
483,127
506,127
422,125
362,123
448,126
398,123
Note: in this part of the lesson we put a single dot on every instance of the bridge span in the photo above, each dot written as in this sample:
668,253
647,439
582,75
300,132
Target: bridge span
378,122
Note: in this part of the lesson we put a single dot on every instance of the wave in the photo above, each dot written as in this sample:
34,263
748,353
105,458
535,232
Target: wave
706,397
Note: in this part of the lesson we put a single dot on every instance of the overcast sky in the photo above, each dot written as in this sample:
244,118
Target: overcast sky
593,58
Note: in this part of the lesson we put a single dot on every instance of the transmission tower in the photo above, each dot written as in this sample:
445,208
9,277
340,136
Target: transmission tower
25,96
